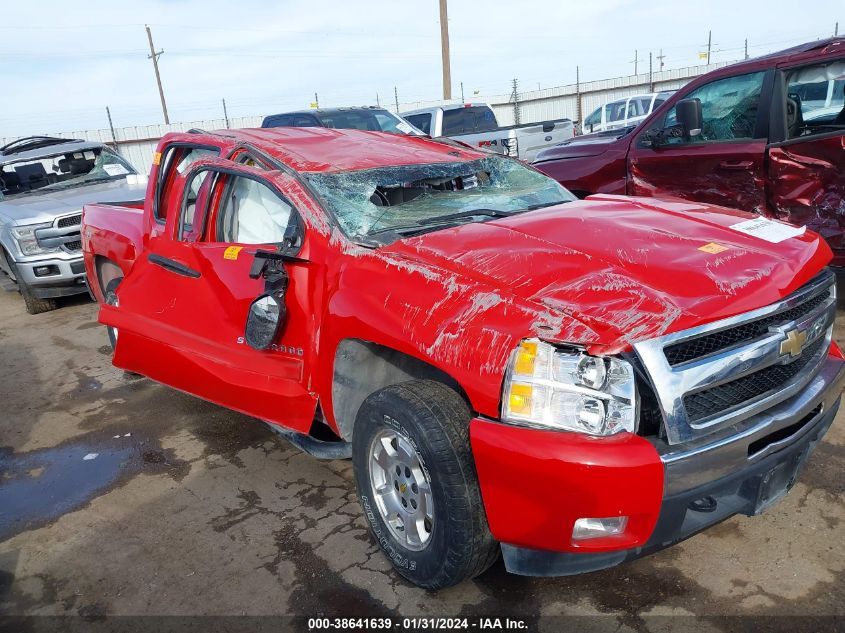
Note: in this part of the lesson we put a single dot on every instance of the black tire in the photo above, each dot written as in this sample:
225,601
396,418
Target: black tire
110,294
434,419
34,305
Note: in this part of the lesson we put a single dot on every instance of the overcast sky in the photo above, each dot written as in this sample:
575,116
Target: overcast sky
62,63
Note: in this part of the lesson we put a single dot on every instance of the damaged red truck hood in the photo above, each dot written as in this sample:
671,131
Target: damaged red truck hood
626,268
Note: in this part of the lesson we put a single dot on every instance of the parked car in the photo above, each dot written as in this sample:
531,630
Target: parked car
475,124
362,118
576,383
44,182
750,144
623,112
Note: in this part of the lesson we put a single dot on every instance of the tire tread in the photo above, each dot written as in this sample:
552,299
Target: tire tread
443,417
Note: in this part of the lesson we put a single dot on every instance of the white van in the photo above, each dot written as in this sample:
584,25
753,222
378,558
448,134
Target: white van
623,112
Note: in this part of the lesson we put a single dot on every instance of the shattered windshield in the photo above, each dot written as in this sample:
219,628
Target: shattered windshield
416,198
61,171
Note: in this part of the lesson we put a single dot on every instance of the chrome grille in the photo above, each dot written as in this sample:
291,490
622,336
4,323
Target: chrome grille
702,346
701,404
64,234
70,220
724,372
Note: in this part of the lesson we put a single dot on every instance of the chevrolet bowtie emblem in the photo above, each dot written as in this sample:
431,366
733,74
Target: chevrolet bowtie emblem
794,343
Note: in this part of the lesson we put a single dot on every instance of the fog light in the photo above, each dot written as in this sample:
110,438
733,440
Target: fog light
44,271
596,528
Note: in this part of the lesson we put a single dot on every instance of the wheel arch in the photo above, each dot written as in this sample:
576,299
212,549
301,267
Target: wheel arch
363,367
106,269
5,260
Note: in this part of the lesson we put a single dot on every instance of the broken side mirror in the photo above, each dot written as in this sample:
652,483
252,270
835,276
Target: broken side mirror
266,316
689,116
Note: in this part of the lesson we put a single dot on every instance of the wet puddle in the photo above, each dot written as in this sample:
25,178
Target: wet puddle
40,486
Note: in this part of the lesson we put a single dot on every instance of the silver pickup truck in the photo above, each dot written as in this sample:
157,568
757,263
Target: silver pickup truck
475,124
44,182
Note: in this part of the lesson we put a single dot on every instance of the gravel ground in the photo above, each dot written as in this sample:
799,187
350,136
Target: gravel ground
191,509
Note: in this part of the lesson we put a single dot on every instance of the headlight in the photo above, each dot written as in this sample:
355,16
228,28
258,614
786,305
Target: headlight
27,242
571,391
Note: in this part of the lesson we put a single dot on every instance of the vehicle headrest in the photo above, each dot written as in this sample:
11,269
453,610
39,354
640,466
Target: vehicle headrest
80,166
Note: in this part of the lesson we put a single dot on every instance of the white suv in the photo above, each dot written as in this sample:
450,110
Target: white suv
623,112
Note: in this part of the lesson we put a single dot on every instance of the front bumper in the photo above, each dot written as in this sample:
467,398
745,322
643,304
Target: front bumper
535,483
67,276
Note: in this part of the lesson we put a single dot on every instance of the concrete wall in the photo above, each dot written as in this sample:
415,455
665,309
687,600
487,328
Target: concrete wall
138,143
562,101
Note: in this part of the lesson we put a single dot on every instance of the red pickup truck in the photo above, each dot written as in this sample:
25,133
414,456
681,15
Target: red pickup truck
572,383
769,137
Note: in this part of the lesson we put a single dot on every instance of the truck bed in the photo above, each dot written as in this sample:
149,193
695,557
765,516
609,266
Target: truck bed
114,232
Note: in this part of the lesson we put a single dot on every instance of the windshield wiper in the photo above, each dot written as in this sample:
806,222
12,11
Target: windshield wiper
400,230
490,213
543,205
432,223
72,184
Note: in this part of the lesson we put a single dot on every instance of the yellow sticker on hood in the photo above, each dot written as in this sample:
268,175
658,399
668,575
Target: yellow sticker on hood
713,248
232,252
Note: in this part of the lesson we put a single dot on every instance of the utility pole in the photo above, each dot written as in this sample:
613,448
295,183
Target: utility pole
444,51
578,97
746,48
316,101
154,56
661,57
650,74
462,92
378,103
636,55
836,30
709,43
225,114
515,96
396,98
111,127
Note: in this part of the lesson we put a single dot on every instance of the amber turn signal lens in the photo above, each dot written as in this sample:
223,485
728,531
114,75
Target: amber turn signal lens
526,354
520,399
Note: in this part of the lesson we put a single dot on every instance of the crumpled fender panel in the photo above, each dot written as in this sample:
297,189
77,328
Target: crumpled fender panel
464,327
808,187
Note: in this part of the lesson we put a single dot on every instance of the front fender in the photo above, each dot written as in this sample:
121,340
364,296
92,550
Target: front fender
465,328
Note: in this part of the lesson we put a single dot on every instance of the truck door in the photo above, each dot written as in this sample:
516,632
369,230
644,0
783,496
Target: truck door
807,153
174,160
185,303
725,163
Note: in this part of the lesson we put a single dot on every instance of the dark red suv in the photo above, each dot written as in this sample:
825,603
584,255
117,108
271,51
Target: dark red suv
764,135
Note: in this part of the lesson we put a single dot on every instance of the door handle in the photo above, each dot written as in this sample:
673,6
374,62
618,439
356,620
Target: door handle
174,266
742,165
